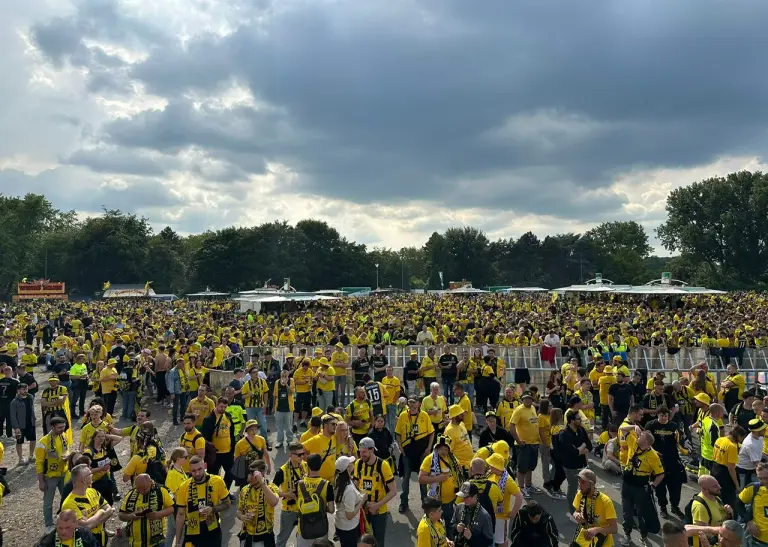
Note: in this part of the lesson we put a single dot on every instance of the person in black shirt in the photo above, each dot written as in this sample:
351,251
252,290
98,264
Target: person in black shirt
379,363
360,366
6,359
448,367
638,387
492,433
8,387
29,334
411,374
744,412
654,400
27,378
533,526
47,333
573,445
620,398
666,435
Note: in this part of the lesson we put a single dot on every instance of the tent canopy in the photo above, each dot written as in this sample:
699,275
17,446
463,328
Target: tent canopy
466,290
523,289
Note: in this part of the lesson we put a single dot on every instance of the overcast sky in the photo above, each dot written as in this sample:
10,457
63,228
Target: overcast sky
389,119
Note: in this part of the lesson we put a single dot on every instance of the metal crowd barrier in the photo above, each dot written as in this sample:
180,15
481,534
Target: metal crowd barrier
753,363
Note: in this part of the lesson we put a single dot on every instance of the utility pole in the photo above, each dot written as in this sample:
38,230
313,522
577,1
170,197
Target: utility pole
45,276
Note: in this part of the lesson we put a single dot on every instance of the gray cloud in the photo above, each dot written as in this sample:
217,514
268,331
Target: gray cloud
533,107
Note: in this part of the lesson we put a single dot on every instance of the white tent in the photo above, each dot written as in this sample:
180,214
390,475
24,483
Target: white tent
523,289
206,292
466,290
594,287
330,292
653,289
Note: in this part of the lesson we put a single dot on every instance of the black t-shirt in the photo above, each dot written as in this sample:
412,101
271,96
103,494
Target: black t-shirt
622,396
638,390
29,333
411,371
378,362
665,439
8,387
361,366
7,360
29,379
450,360
743,415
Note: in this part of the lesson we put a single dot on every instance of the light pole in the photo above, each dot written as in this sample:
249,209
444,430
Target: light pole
377,276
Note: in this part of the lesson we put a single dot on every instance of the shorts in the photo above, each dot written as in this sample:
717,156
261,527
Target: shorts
303,402
28,434
204,538
527,457
522,376
501,532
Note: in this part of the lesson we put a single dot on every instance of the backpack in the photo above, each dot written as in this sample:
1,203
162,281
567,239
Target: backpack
689,513
156,468
313,520
210,451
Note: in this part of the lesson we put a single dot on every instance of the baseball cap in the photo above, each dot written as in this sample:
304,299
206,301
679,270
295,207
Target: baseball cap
468,489
367,442
342,463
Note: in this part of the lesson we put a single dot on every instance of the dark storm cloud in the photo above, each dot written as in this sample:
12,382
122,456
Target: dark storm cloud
532,106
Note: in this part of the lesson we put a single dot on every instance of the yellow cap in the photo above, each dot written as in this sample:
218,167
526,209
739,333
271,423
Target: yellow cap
455,411
317,412
497,462
703,398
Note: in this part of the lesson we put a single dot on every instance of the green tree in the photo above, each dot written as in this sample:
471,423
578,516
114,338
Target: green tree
166,262
722,223
618,249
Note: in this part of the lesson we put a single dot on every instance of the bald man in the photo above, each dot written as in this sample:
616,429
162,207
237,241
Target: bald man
707,509
67,530
145,507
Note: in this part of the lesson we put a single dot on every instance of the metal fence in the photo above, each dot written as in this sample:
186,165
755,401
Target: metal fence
752,362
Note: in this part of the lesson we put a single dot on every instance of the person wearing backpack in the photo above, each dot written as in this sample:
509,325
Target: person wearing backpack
219,429
250,448
706,508
149,457
314,501
195,443
752,507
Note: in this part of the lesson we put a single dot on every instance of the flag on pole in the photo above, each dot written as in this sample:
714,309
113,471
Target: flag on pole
106,286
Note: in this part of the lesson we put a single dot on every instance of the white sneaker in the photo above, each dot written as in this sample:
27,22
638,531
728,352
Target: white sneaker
625,541
570,517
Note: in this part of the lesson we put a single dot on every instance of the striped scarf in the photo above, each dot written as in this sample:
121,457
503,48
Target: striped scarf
435,469
502,486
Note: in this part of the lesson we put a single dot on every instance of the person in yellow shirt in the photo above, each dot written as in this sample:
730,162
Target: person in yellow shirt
466,405
732,388
507,511
725,456
442,474
391,395
436,407
67,533
414,433
219,429
201,406
108,385
326,379
461,446
756,494
431,530
339,362
642,468
594,512
374,477
90,508
524,426
324,444
177,463
603,386
191,440
428,367
51,453
256,506
253,447
360,415
707,509
303,379
200,500
145,508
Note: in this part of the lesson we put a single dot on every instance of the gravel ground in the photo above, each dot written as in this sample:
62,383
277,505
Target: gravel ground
21,514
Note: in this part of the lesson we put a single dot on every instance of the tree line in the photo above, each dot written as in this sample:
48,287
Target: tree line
718,227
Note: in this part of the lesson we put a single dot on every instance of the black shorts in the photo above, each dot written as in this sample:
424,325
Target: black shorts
303,402
205,538
27,434
527,457
522,376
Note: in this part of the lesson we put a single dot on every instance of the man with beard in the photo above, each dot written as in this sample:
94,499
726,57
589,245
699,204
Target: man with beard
666,434
655,400
414,432
200,500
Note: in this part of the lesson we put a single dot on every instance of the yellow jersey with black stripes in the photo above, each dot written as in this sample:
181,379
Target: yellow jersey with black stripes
375,480
644,464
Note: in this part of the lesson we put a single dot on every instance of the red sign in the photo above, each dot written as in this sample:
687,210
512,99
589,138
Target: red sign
41,288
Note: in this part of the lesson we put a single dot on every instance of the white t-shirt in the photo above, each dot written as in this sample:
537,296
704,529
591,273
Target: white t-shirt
751,451
349,499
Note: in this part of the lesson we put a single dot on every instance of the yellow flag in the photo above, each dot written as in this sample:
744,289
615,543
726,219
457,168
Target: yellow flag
68,432
24,280
554,297
106,286
146,285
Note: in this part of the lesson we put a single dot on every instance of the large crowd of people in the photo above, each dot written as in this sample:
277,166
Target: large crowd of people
353,429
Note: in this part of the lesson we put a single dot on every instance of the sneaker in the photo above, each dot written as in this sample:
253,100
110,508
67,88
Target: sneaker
279,446
402,509
526,493
535,490
551,493
117,496
625,541
22,462
269,446
677,512
560,495
645,542
295,428
570,517
303,425
663,512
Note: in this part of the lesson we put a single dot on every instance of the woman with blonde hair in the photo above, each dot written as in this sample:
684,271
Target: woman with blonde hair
173,481
345,444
